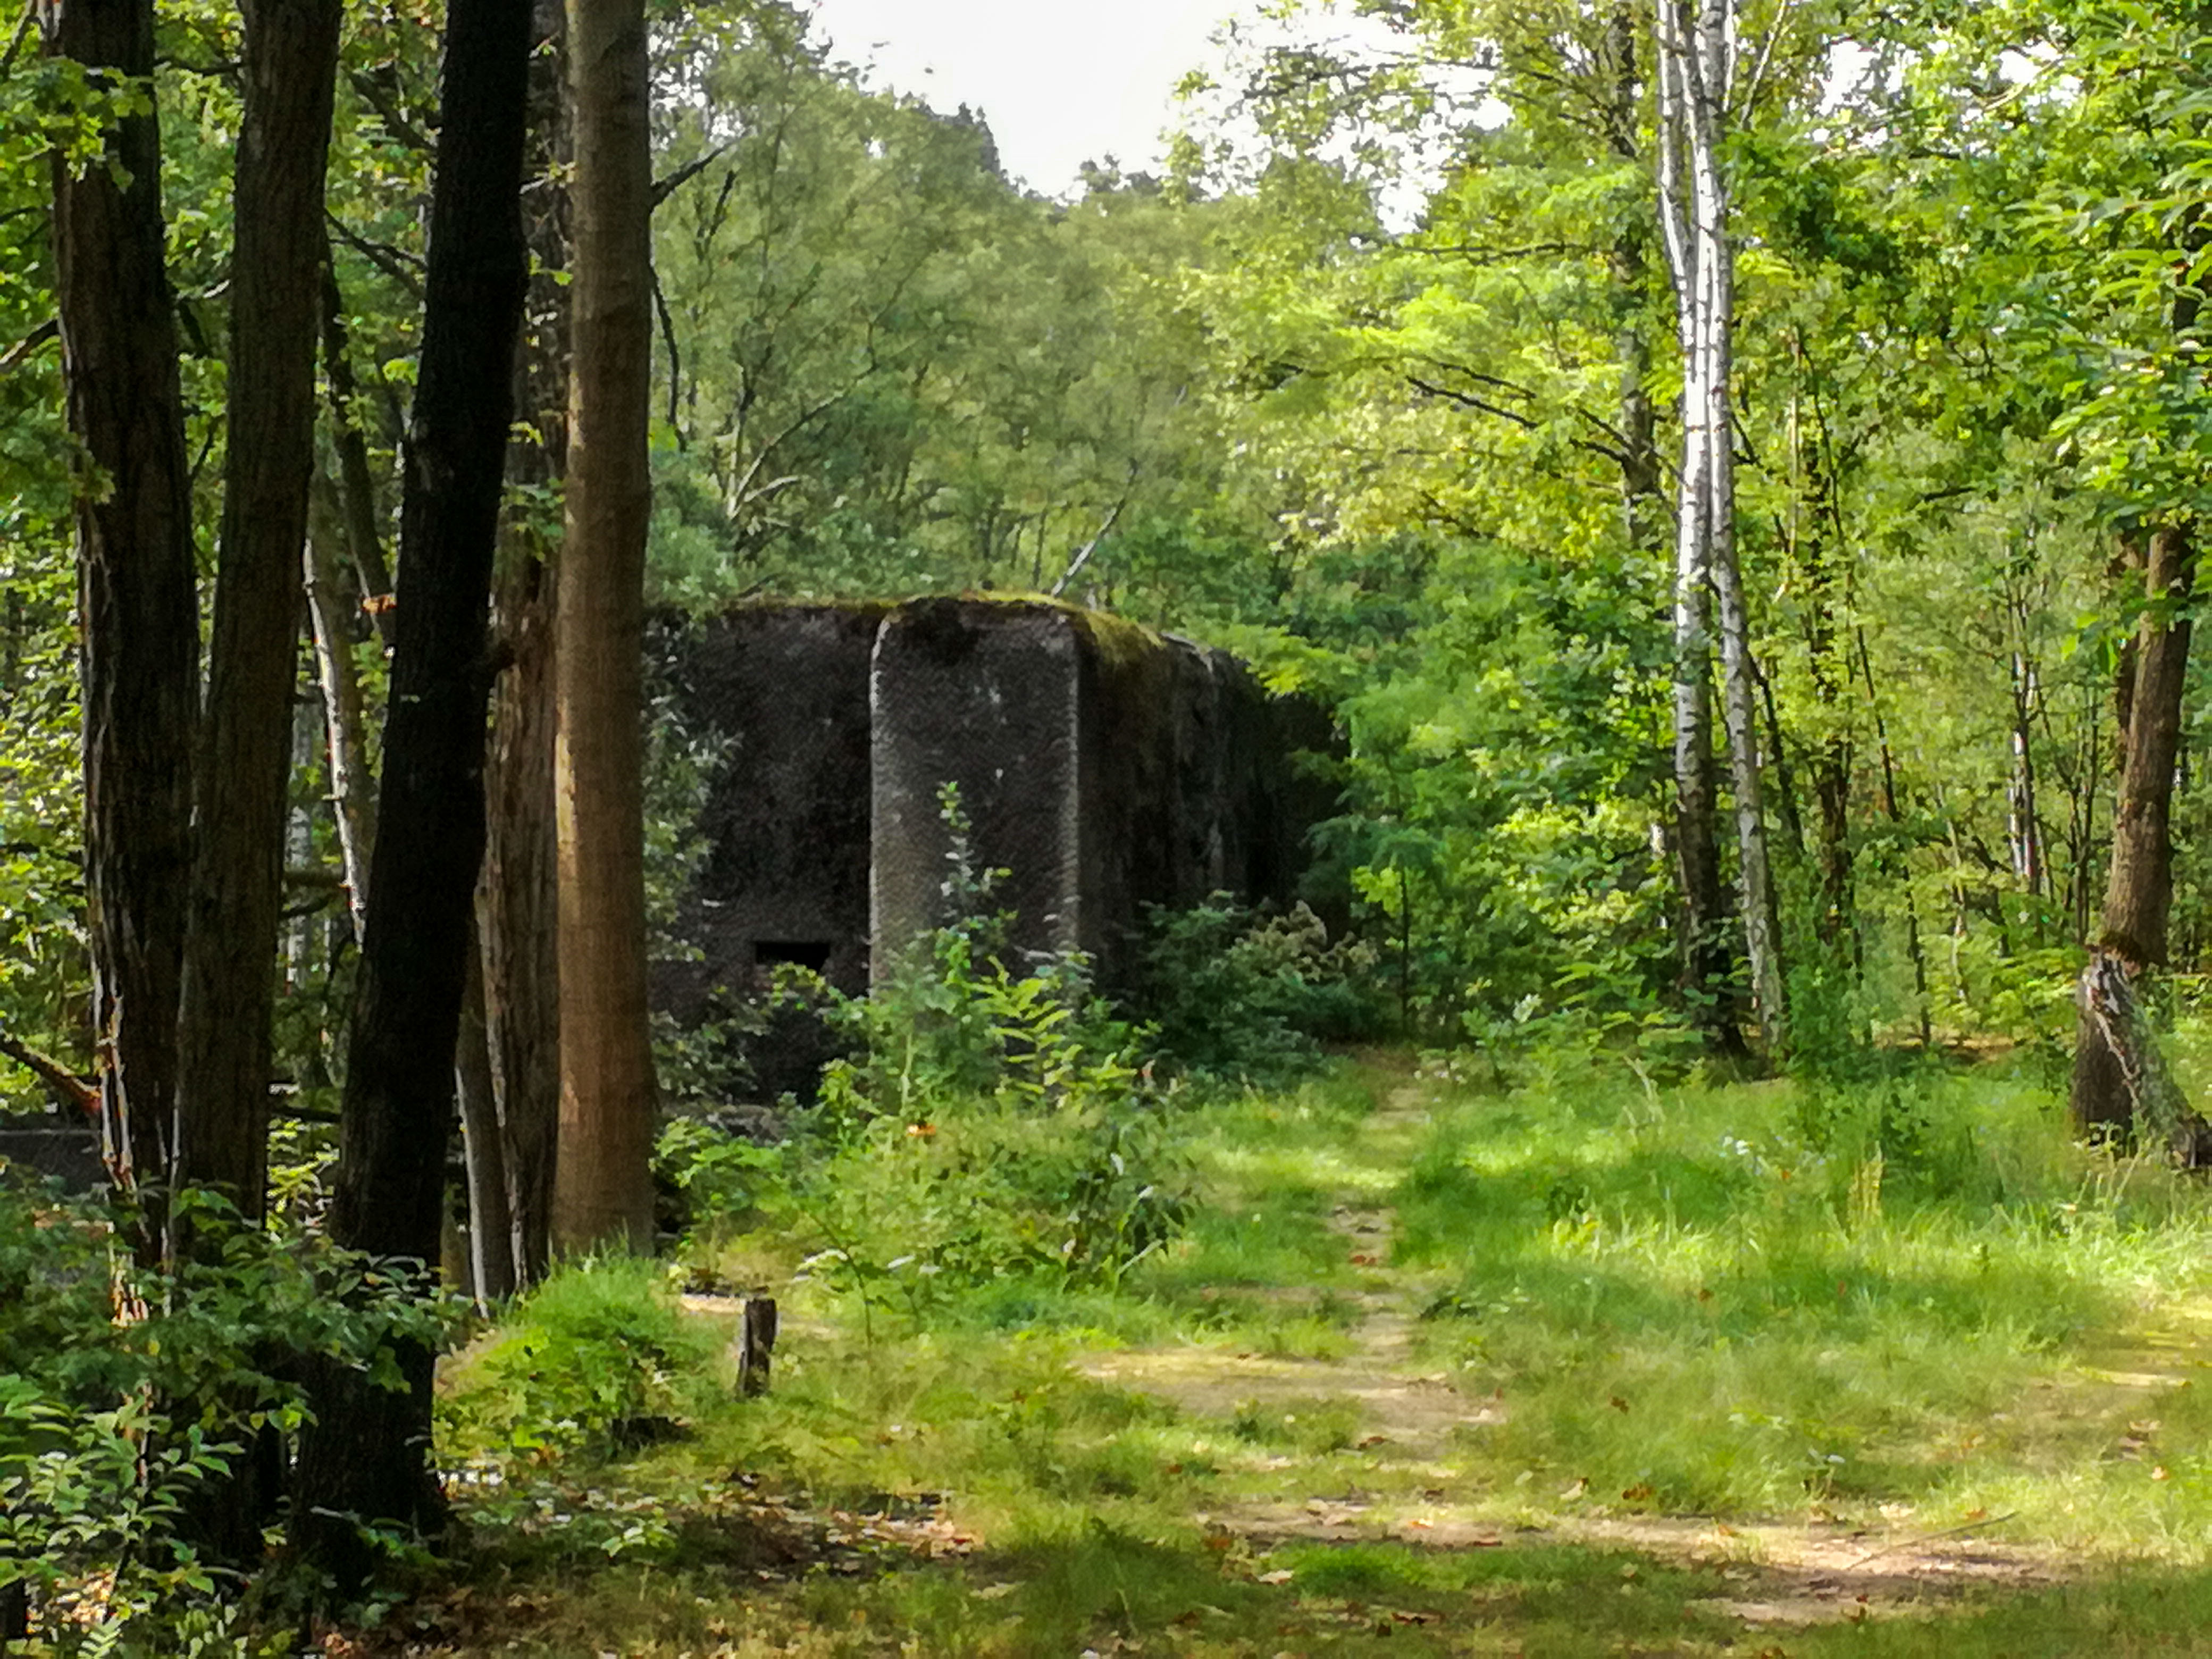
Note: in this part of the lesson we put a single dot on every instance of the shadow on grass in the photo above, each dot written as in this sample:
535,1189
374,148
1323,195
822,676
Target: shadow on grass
1104,1589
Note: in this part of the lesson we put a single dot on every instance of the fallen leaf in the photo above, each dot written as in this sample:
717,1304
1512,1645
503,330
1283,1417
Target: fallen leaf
1619,1404
1371,1441
1580,1486
1280,1576
2159,1474
1639,1493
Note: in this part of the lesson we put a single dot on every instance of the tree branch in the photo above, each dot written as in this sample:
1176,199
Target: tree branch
65,1085
666,187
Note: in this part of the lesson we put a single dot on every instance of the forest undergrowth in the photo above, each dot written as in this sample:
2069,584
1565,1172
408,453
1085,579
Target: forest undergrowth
1593,1363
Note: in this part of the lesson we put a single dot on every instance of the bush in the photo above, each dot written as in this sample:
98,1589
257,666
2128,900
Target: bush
125,1392
597,1361
992,1121
1241,995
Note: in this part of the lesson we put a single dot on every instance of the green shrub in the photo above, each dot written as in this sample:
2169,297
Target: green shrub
993,1122
598,1361
1244,996
123,1392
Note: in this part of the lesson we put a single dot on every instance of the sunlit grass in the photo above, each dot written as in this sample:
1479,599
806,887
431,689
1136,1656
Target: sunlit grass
1714,1301
1908,1308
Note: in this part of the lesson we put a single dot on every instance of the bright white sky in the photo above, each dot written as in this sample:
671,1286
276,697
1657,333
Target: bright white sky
1062,81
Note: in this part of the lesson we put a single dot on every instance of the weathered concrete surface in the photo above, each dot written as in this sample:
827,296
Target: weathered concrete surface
1103,767
990,698
773,700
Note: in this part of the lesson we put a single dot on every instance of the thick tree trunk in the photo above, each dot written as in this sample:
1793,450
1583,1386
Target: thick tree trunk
522,1002
289,70
2117,1084
365,1456
603,1187
518,902
1707,955
137,608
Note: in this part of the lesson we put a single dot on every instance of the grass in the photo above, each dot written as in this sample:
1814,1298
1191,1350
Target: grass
1594,1367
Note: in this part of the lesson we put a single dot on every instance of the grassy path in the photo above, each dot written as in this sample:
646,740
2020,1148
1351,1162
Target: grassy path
1596,1367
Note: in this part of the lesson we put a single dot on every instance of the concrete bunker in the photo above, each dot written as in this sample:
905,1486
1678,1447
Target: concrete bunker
1102,766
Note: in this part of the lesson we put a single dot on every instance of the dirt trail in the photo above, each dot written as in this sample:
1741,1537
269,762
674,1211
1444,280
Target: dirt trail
1766,1574
1399,1404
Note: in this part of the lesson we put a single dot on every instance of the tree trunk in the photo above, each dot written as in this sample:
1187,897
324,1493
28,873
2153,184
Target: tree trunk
491,1234
364,1456
1899,860
1817,546
1695,57
522,1004
356,480
1701,919
2025,816
518,902
289,70
353,791
603,1184
136,609
2116,1086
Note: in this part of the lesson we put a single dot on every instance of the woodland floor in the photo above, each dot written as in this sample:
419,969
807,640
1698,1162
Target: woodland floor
1286,1444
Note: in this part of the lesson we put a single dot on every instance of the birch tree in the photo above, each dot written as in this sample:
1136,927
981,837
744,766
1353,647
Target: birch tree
1695,60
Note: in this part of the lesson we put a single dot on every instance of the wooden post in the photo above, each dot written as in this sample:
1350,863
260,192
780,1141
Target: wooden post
755,1342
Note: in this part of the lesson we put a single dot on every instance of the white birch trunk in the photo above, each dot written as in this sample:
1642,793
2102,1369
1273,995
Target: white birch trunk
1695,60
353,790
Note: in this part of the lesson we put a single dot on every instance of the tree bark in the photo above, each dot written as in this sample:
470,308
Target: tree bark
1695,56
137,608
2116,1086
1817,547
365,1456
1897,860
1701,920
356,480
518,902
519,908
603,1184
353,790
289,70
491,1237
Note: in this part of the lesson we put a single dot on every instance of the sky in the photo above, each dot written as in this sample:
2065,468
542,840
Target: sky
1062,81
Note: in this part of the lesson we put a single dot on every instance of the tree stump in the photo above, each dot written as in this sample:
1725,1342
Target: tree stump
756,1343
